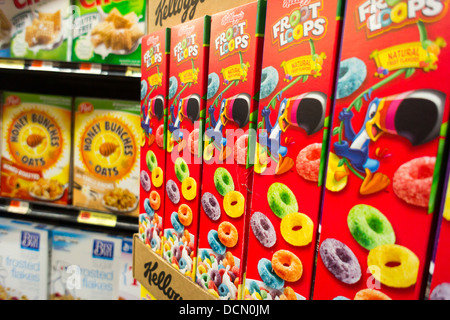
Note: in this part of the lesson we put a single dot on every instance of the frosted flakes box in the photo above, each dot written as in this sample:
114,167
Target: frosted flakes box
107,138
182,188
36,147
384,164
40,29
154,106
108,31
298,73
24,260
85,265
237,37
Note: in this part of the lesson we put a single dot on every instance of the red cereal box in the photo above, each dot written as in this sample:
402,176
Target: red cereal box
154,91
297,85
233,82
187,87
385,154
440,278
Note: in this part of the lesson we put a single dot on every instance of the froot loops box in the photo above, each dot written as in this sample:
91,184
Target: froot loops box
109,32
384,164
237,37
440,278
36,147
154,92
297,85
189,53
106,169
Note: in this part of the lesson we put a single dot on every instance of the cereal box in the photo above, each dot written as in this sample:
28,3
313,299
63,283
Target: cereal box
187,88
298,73
237,37
107,139
385,154
108,31
154,92
6,13
36,147
85,265
41,29
129,287
24,260
440,278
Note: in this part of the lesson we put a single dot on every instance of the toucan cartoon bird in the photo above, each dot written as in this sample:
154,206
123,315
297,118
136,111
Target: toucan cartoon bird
306,111
153,108
415,115
189,108
235,109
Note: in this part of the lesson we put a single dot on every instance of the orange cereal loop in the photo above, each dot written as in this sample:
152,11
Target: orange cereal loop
287,265
155,200
185,215
289,294
371,294
228,234
230,258
187,235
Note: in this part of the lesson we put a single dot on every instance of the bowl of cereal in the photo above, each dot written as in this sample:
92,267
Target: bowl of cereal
47,190
120,200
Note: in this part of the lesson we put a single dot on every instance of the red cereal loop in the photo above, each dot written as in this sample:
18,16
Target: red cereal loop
287,265
412,181
308,162
159,137
240,149
193,142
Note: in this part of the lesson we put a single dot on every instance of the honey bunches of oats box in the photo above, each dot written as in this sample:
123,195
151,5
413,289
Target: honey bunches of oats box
107,137
36,147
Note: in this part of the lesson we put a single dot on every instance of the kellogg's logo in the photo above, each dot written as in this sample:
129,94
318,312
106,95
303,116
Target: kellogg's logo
232,18
30,240
103,250
380,16
289,3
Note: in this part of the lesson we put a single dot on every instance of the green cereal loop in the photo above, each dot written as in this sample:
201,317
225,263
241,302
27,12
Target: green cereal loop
229,34
294,19
369,227
152,162
223,181
281,200
181,169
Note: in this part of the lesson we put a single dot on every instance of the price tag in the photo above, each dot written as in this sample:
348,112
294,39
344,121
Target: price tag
97,218
12,64
91,68
133,72
19,207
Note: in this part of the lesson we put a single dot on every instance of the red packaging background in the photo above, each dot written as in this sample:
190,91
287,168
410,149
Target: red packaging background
412,225
148,42
242,176
195,165
441,260
308,193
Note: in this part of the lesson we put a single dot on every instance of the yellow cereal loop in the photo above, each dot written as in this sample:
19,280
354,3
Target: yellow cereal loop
214,293
157,177
337,177
393,265
234,204
260,160
447,206
297,229
189,188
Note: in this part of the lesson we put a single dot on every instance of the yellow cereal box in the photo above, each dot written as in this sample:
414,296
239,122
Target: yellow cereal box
36,147
107,137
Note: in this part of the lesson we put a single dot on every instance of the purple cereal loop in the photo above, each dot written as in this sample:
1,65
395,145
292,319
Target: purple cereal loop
263,229
211,206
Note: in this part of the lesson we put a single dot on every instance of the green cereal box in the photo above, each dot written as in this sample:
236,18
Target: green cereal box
108,31
40,29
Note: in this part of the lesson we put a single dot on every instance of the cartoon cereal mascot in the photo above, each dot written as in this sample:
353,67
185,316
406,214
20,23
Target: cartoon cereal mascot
415,115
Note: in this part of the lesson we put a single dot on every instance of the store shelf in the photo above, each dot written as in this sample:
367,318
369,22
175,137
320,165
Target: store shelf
66,78
66,215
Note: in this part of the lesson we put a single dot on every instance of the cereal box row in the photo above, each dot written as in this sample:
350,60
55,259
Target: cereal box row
319,133
104,31
79,151
46,262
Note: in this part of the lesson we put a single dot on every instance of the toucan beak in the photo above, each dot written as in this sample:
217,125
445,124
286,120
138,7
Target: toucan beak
373,126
